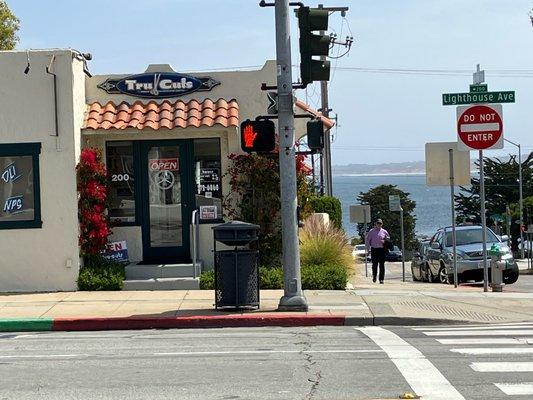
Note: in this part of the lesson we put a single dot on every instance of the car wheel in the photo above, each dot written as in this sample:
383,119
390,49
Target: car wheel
443,276
511,277
430,276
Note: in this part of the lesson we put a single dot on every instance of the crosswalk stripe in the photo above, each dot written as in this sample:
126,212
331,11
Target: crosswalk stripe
501,366
516,389
494,350
446,327
423,377
503,332
480,328
481,341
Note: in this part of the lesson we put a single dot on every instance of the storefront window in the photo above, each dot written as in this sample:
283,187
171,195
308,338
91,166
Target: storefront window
208,178
19,186
119,161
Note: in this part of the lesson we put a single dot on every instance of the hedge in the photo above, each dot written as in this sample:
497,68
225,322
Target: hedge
101,274
329,205
314,277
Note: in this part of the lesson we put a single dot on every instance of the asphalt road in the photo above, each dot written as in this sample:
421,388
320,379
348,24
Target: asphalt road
269,363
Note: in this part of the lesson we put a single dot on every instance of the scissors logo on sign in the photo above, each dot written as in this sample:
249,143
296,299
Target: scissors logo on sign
164,179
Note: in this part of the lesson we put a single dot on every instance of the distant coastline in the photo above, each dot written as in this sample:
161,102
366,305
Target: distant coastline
384,174
413,168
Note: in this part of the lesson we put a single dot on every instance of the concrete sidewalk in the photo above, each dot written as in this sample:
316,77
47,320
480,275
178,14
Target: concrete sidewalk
395,303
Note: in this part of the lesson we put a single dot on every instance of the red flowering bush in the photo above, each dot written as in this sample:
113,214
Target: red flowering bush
255,197
92,203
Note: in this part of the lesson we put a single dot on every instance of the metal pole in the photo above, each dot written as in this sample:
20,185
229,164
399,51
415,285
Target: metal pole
520,196
364,235
521,200
454,237
483,222
403,244
327,137
293,298
322,173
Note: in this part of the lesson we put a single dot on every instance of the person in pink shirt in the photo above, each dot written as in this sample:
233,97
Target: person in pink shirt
375,244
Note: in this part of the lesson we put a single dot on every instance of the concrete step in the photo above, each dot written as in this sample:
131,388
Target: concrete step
141,272
162,284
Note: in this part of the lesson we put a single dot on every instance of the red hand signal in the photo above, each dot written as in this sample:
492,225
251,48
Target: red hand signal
249,136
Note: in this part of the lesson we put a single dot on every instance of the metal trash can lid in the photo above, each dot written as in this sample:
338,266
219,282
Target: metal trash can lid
234,226
236,233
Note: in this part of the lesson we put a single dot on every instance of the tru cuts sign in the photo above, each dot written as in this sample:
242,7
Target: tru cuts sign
158,84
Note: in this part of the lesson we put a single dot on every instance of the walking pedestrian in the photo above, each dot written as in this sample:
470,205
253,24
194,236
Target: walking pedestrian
375,243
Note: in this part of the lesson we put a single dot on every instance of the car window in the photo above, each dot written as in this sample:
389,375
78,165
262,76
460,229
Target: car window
469,236
360,247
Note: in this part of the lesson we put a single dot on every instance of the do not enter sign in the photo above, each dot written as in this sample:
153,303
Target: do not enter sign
480,127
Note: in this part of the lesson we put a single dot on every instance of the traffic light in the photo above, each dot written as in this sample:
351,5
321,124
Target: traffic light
258,136
315,134
309,20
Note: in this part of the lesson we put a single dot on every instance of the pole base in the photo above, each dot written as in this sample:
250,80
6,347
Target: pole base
497,287
293,303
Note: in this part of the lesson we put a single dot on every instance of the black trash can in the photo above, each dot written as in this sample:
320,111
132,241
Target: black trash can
237,270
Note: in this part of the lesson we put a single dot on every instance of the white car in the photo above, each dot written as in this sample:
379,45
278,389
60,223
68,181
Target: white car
358,251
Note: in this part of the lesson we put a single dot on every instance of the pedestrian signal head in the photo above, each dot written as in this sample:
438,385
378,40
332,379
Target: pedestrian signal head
258,136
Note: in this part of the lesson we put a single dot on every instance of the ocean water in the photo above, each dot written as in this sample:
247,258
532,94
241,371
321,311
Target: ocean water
433,209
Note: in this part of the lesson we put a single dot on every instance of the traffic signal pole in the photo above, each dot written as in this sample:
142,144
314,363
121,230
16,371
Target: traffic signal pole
328,189
328,175
293,299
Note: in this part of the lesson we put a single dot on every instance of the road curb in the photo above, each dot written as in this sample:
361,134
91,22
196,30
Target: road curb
26,324
416,321
209,321
191,322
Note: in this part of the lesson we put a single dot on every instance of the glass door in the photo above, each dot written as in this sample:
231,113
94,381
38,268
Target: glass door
167,196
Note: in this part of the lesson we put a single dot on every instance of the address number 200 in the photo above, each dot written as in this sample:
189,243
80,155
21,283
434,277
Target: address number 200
120,177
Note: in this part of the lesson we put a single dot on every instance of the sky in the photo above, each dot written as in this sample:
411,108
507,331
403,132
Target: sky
431,46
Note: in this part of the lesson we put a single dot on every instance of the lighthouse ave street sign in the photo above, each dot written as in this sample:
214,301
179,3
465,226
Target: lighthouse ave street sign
474,97
480,127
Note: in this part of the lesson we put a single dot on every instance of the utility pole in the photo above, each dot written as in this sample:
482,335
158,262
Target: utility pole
328,178
327,137
520,196
293,299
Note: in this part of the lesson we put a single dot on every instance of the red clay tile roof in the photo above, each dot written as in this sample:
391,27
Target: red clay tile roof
328,123
164,115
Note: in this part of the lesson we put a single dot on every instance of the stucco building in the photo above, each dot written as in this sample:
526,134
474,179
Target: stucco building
165,137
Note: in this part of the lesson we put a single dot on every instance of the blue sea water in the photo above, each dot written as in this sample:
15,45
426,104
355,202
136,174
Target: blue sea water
433,209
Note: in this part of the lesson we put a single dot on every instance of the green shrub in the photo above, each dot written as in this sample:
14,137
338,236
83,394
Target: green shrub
207,280
324,277
271,278
317,277
101,274
324,244
329,205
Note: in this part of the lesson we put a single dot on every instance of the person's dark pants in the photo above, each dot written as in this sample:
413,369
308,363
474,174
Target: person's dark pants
378,258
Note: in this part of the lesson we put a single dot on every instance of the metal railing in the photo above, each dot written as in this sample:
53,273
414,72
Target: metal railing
195,222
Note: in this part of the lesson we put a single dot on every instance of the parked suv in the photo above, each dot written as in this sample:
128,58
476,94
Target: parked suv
439,255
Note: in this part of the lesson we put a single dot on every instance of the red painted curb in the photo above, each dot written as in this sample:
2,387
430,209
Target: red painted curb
211,321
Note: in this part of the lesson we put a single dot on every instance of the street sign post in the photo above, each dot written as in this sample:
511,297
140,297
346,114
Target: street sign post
480,127
360,213
395,205
458,174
